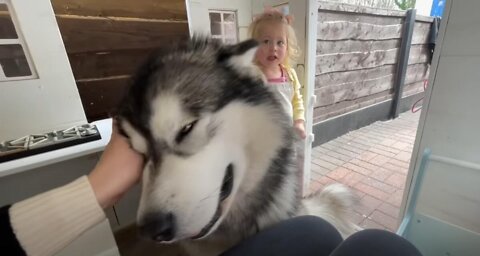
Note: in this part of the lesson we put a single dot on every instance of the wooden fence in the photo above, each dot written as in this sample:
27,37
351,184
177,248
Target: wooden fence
357,55
106,40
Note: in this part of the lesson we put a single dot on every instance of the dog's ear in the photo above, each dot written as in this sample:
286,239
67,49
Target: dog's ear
137,141
240,55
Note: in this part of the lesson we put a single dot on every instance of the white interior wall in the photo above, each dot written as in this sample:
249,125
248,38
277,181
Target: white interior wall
450,121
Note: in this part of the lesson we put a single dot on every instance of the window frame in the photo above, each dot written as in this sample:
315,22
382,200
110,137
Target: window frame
18,41
223,36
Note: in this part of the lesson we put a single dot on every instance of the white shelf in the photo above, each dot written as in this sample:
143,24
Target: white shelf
31,162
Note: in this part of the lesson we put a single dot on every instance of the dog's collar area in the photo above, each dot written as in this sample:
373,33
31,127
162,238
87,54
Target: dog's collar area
227,186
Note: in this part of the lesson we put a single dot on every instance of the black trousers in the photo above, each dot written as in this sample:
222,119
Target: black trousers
309,235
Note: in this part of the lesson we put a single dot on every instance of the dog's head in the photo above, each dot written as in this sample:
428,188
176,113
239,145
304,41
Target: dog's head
195,113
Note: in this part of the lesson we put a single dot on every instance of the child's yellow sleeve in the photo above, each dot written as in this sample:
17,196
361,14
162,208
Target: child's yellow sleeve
297,101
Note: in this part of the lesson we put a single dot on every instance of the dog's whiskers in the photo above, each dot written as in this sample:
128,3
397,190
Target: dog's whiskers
216,190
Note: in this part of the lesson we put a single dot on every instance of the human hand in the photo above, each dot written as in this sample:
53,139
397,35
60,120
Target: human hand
300,128
119,168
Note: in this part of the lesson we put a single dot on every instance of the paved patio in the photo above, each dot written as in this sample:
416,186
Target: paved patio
374,162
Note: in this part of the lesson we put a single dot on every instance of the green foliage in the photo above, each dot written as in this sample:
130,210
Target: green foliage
405,4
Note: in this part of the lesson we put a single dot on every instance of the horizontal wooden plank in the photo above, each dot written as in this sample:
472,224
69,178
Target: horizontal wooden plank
344,46
359,60
101,97
336,78
102,34
149,9
420,36
340,7
350,91
421,31
327,15
323,113
343,30
418,54
106,64
329,95
415,72
413,88
354,61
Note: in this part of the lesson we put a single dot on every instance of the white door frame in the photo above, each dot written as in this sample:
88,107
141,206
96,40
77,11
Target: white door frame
311,14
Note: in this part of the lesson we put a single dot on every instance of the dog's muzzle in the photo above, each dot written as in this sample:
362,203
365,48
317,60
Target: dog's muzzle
161,227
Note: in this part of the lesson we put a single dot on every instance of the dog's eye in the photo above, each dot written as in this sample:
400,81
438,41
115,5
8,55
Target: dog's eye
185,131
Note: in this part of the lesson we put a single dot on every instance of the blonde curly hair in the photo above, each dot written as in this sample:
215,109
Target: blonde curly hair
273,16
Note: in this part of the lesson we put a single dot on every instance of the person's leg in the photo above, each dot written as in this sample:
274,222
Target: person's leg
304,235
375,242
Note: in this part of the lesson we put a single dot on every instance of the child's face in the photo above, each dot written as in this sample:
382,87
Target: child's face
273,45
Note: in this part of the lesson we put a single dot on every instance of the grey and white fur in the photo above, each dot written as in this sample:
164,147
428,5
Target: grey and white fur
219,150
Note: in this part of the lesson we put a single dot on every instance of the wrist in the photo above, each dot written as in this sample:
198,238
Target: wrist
99,189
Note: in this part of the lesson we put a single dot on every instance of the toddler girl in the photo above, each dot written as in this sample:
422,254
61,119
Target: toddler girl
276,52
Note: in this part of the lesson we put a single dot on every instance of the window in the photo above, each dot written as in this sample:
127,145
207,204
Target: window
223,26
15,64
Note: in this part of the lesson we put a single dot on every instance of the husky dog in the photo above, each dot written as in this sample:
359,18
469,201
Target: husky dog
219,150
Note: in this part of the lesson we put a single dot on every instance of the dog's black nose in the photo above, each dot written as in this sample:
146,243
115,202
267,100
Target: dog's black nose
158,226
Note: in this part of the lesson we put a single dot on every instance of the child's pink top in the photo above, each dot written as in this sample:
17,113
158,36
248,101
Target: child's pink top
282,79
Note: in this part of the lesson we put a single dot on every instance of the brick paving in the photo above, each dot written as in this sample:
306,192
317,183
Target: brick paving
373,161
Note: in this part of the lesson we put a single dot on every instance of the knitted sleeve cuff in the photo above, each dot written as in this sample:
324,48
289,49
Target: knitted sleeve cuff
46,223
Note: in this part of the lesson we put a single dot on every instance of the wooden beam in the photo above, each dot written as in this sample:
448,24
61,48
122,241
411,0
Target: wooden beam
343,30
403,62
355,60
418,54
346,86
414,88
358,9
149,9
350,91
327,15
346,46
101,34
359,60
100,97
350,76
421,32
323,113
107,64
